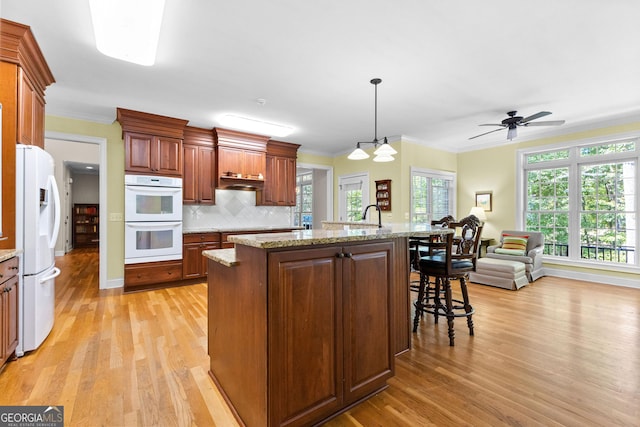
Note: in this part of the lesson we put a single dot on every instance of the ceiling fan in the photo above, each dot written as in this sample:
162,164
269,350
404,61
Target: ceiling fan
512,122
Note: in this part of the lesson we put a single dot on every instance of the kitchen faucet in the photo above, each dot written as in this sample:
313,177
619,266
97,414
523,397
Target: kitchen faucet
364,215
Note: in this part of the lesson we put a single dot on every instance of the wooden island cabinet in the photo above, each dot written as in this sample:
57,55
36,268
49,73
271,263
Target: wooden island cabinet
304,325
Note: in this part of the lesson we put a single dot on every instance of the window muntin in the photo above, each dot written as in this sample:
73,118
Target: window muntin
583,199
303,212
432,195
547,208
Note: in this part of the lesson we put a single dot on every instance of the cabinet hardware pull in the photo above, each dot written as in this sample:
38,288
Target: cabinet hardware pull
348,255
339,255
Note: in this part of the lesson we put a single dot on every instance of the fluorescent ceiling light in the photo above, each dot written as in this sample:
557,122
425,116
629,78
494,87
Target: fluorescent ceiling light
127,29
256,126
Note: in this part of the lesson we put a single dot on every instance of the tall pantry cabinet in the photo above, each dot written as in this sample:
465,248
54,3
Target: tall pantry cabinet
25,75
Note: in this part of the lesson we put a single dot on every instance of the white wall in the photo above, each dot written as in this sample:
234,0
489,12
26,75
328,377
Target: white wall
86,188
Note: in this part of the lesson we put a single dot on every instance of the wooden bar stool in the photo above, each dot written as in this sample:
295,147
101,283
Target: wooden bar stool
456,258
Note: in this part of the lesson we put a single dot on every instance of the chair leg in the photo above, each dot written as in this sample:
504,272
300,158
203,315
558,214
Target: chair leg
436,298
449,302
467,307
419,302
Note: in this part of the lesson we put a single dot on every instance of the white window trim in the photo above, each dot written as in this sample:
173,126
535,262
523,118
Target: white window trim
573,189
343,180
434,173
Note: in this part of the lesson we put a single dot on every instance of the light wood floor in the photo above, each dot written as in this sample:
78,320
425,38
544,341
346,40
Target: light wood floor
557,352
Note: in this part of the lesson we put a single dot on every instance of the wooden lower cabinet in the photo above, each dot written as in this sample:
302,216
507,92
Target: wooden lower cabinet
8,308
149,275
194,265
315,340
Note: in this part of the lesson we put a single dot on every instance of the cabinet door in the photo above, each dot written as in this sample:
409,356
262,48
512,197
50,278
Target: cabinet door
38,120
190,177
168,156
3,325
267,195
138,152
368,354
254,162
206,175
11,315
25,110
287,173
191,260
305,335
229,160
204,260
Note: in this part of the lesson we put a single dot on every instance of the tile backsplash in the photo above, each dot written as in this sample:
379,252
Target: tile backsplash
235,209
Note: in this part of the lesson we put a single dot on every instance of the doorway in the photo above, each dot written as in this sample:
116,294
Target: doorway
73,154
318,180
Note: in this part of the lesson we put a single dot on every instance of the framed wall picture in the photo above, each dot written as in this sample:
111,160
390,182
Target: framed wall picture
484,200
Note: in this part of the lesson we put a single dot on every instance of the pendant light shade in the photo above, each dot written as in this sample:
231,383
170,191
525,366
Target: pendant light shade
358,154
385,148
383,158
384,152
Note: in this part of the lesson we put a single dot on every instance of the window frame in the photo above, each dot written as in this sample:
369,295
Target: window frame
433,174
575,162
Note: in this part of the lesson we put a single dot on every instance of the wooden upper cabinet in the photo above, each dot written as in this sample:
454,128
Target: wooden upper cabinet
153,154
198,184
153,144
241,159
280,181
25,75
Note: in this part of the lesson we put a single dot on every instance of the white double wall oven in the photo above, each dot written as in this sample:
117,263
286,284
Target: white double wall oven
153,218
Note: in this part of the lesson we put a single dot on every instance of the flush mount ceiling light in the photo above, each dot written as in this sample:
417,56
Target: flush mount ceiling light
127,29
385,152
256,126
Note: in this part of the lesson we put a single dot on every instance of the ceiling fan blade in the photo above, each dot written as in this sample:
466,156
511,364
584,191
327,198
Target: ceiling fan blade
493,124
545,123
486,133
535,116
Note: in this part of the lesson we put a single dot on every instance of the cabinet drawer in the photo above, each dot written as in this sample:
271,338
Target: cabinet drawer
201,238
8,269
152,273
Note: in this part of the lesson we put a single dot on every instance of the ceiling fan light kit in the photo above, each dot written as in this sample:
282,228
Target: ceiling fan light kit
384,151
512,122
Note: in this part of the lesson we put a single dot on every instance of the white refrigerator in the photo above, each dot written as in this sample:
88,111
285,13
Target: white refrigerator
37,226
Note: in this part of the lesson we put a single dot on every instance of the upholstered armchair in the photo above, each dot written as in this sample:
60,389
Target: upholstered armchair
531,256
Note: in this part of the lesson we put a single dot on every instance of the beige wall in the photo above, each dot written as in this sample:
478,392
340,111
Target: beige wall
494,169
491,169
399,172
115,181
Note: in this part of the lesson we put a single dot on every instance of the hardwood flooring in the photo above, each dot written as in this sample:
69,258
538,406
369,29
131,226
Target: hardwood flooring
556,352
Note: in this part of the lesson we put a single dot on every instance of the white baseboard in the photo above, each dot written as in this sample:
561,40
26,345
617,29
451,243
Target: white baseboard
113,284
589,277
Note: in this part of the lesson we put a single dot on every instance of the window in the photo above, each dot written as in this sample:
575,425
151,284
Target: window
432,195
303,212
584,200
354,192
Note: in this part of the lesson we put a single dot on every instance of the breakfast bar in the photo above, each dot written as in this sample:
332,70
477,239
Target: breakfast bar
306,324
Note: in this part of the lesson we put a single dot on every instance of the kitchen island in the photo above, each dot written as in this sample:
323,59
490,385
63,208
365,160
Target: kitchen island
303,325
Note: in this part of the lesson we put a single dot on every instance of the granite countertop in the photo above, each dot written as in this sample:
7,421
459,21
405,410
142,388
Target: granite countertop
5,254
322,237
236,229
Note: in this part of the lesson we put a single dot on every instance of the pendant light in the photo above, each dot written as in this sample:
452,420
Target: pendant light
384,151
